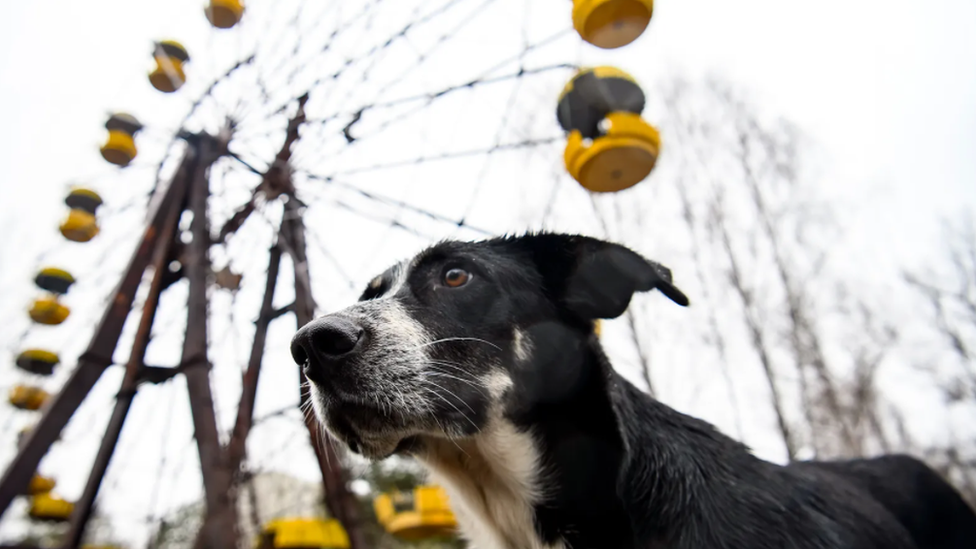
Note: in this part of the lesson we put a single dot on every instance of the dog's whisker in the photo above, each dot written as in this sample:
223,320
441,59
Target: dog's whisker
449,392
331,441
402,396
450,339
450,437
451,404
457,371
323,435
462,369
477,387
461,400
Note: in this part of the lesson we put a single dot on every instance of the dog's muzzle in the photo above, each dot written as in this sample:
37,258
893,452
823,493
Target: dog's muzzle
351,395
325,345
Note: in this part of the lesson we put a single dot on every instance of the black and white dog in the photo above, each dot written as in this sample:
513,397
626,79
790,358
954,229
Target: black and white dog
479,359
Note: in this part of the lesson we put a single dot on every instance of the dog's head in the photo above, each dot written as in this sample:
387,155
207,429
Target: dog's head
436,344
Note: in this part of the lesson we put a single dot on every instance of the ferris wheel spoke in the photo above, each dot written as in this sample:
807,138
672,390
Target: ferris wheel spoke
296,64
369,55
406,206
373,57
434,158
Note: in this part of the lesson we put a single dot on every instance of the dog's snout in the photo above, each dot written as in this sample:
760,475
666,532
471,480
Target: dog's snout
334,336
326,341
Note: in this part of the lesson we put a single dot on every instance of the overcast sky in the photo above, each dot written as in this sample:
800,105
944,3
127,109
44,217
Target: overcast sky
883,89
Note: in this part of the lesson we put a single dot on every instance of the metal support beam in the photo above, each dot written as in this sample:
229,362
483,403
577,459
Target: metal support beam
56,414
283,310
160,260
219,530
340,501
276,181
237,447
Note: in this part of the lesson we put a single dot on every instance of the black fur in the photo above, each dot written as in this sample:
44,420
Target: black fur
621,469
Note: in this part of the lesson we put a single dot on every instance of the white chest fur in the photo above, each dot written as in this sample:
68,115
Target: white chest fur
493,482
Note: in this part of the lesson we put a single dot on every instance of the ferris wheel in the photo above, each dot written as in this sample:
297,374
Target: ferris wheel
277,164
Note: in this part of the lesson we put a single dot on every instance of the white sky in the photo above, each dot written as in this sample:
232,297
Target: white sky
884,89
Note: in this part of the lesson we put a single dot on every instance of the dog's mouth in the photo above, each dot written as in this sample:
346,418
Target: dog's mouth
377,411
368,426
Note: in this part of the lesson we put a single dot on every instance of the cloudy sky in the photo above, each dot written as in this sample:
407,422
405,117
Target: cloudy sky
882,89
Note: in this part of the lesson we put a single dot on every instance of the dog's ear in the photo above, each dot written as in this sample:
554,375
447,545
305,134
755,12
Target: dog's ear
593,278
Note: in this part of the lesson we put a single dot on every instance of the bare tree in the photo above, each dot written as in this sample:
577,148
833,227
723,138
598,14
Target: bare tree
785,344
952,298
948,287
734,190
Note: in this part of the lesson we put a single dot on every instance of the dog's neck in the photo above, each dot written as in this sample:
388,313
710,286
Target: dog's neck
582,448
494,483
544,474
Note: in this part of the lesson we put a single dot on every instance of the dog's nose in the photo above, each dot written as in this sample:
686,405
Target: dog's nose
326,341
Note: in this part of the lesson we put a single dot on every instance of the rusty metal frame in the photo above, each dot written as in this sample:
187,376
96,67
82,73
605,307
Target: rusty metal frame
92,363
221,523
236,447
160,263
277,181
189,191
340,501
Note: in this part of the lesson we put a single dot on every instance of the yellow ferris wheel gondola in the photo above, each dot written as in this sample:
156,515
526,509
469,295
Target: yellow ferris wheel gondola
592,94
25,397
120,149
420,514
224,14
79,226
169,76
621,158
84,199
37,361
610,24
305,533
49,311
610,147
54,280
50,508
40,485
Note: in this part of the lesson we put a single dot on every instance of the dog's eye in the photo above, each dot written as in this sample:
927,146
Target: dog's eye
456,277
